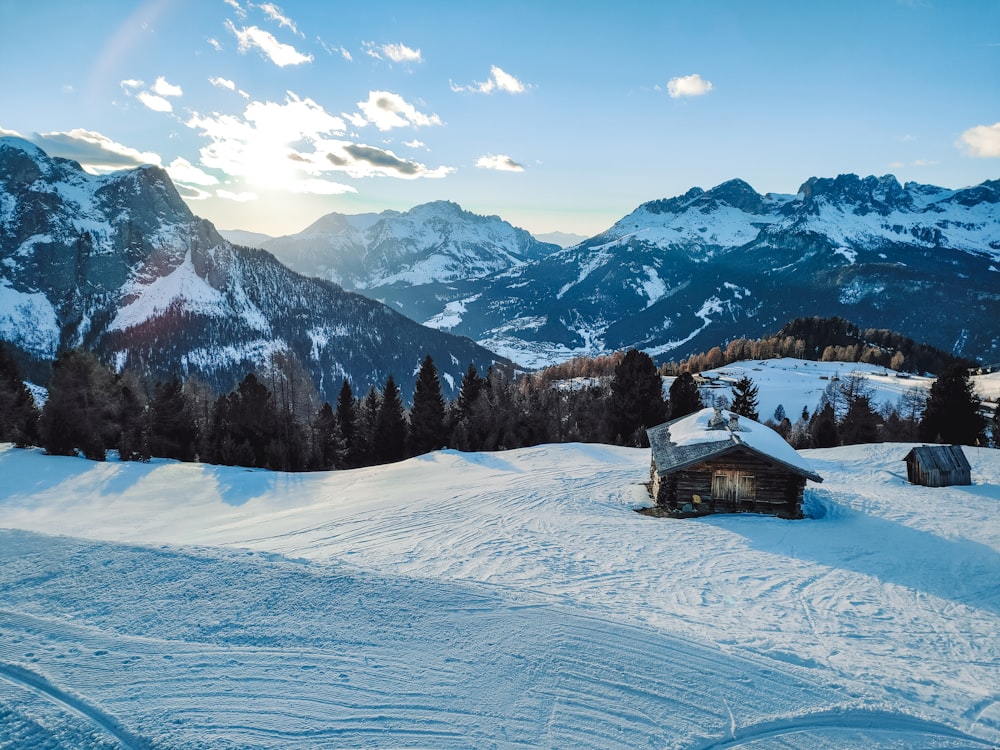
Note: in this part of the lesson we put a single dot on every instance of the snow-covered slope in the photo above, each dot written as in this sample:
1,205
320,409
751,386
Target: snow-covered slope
493,600
120,265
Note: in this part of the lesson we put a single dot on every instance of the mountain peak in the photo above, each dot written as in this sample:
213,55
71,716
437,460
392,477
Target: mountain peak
880,194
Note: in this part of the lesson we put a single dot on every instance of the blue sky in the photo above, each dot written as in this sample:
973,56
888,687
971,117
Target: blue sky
555,116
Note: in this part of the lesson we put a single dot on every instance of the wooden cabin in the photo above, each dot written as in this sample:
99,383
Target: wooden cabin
938,466
714,461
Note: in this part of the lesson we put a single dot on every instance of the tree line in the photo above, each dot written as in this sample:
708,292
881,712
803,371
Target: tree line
271,418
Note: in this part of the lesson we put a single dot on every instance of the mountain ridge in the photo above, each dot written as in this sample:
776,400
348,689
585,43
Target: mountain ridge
118,264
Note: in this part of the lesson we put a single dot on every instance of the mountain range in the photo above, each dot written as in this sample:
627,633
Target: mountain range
684,274
119,265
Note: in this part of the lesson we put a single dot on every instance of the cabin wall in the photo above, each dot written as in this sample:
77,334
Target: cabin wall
777,490
933,477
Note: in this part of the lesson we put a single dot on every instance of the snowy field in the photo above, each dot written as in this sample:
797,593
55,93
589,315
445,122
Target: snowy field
492,600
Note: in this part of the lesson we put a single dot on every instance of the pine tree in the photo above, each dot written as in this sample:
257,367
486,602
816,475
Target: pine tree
469,391
18,414
329,446
636,400
427,425
79,413
745,399
389,442
364,436
347,418
132,420
173,429
952,411
860,424
824,428
243,426
684,396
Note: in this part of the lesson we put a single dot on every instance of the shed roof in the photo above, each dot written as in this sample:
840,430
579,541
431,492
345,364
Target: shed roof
712,432
942,458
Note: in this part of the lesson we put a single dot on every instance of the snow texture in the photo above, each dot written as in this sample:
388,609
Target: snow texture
501,600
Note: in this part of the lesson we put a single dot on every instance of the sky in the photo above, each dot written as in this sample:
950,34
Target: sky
555,116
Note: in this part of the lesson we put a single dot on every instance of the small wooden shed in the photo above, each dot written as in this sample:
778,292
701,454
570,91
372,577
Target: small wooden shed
938,466
717,462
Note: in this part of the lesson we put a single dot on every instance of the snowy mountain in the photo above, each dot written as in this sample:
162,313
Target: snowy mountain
118,264
503,600
682,275
432,243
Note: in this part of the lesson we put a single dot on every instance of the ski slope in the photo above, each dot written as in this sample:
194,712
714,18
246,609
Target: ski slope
492,600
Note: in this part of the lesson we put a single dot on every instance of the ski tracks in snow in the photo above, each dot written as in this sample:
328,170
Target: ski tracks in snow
33,681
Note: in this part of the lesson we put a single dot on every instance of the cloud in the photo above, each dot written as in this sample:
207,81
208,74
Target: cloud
499,162
401,53
181,170
692,85
237,7
279,53
154,102
96,152
982,141
163,88
360,160
191,193
237,197
256,145
415,144
386,111
275,13
398,53
499,80
215,44
222,83
132,84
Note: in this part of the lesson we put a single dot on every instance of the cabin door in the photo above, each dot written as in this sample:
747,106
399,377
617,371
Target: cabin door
734,487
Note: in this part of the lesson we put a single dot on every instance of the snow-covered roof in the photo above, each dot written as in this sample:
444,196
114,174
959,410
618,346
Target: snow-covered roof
712,432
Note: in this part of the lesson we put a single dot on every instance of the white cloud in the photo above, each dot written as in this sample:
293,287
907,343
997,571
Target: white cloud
132,83
499,162
982,141
222,83
398,53
154,102
181,170
415,144
163,88
215,44
386,111
401,53
237,7
279,53
276,14
692,85
12,133
237,197
96,152
499,80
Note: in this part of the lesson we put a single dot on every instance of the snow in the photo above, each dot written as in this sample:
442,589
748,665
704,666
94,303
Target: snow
185,288
452,314
492,600
29,319
795,384
695,428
